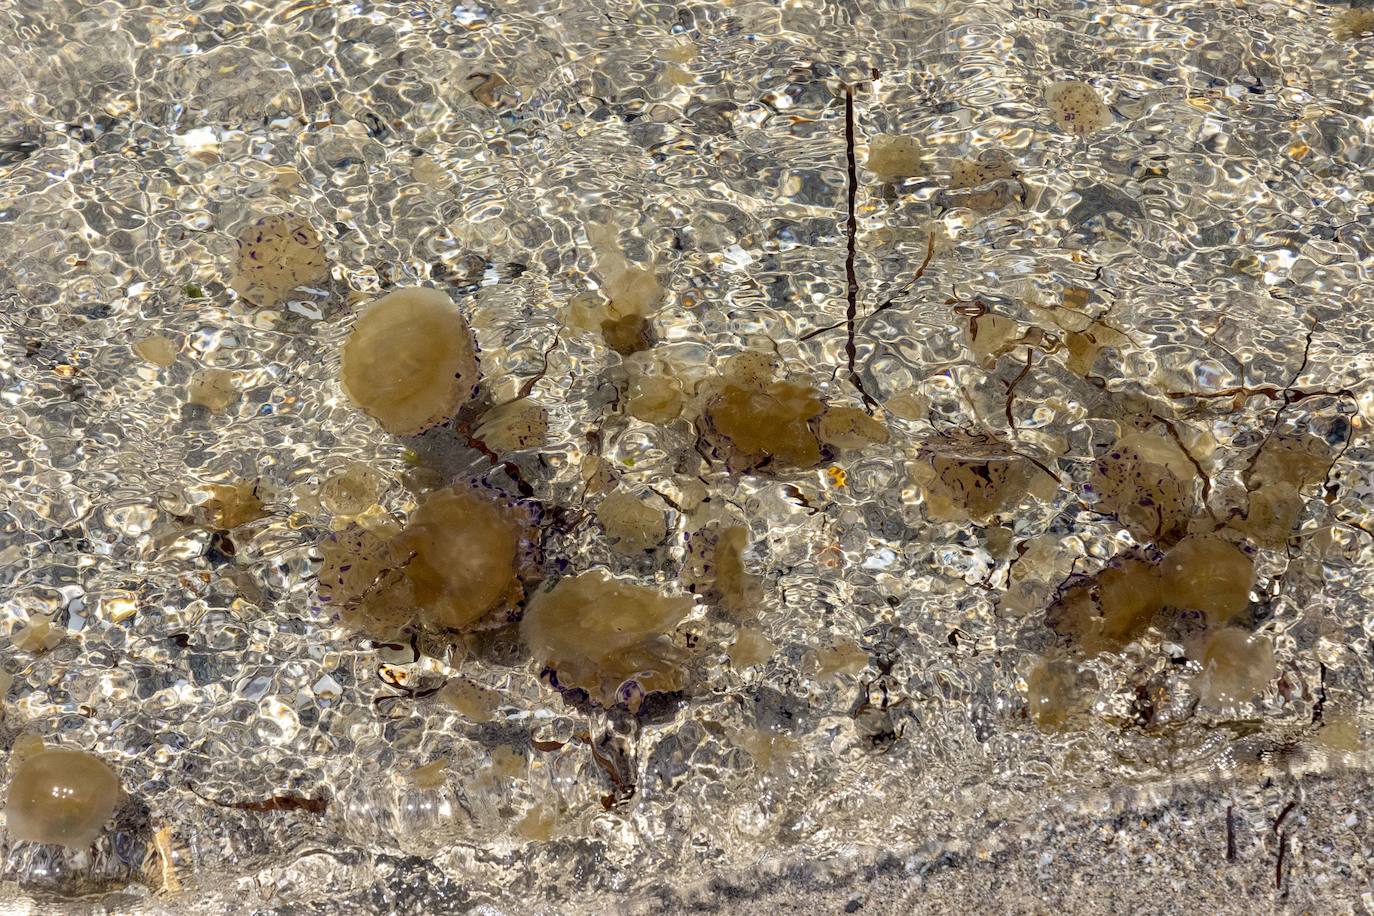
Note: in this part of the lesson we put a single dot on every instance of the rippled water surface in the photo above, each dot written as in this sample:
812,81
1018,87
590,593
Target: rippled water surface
1194,271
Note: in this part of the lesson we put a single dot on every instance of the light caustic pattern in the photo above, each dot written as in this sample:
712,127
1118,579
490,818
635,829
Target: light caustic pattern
977,393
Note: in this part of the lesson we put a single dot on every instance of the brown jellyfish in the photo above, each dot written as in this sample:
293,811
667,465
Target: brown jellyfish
469,549
973,477
600,633
410,361
1077,107
61,796
277,254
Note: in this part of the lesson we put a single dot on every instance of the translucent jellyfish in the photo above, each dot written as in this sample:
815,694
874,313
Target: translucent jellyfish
984,184
894,156
1208,574
850,427
1353,23
519,424
990,335
751,647
234,504
1130,595
656,393
156,349
468,549
632,525
1149,484
1053,693
973,477
632,294
1236,665
410,361
351,490
470,698
362,577
764,424
992,164
61,796
1105,612
213,389
717,571
276,255
1077,107
607,636
1281,469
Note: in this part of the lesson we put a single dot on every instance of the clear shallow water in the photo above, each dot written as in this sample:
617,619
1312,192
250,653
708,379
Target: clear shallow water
1221,219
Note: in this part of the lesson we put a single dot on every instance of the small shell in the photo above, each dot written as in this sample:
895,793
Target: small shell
410,361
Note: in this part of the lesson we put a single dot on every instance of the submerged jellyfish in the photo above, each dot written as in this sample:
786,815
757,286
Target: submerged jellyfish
1236,665
973,477
599,633
410,361
468,551
1208,574
61,796
277,254
1147,481
894,156
1077,107
759,422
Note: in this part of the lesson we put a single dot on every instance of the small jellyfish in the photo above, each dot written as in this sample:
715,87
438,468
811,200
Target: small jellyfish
158,350
632,525
62,797
1130,594
599,633
234,504
468,550
213,389
972,477
656,395
1236,665
633,294
1208,574
470,698
895,156
351,490
850,427
519,424
716,569
1147,481
1077,107
410,361
764,424
276,255
1353,23
1053,694
990,165
1105,612
984,184
362,578
1282,467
